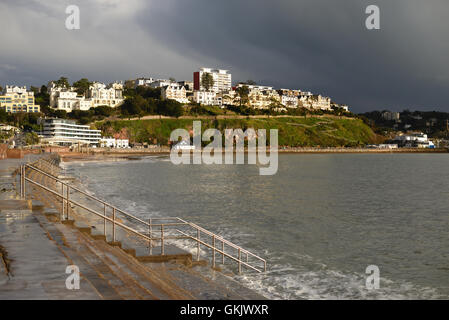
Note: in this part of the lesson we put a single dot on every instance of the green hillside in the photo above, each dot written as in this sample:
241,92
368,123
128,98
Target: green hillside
294,132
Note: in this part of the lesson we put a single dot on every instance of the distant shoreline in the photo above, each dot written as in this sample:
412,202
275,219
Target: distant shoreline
99,155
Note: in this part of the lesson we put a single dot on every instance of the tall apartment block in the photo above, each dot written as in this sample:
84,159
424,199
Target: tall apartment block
222,80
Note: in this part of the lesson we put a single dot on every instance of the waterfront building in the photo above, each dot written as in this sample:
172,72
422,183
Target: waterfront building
414,140
109,142
67,132
18,99
183,145
222,80
174,92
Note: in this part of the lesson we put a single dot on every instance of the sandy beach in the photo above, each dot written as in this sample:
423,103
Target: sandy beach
132,154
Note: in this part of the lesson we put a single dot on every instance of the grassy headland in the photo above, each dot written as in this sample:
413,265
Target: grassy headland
324,131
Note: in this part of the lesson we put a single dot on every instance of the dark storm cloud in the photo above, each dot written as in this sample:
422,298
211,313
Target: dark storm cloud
317,45
321,45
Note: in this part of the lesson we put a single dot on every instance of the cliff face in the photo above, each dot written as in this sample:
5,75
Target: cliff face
293,131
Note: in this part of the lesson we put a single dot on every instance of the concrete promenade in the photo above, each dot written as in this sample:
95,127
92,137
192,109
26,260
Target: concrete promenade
36,247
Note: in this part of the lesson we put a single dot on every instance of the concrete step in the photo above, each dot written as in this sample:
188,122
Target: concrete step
15,205
105,271
37,268
97,279
171,253
139,291
119,278
37,205
160,286
81,226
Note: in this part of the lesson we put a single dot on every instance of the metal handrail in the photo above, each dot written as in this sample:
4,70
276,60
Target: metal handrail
175,221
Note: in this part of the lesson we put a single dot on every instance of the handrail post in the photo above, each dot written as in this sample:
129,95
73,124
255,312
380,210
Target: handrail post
162,240
62,199
24,182
222,250
113,224
213,248
21,181
240,261
104,220
198,245
68,201
150,235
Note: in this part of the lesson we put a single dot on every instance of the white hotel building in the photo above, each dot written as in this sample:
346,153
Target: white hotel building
175,92
98,95
109,142
207,98
67,132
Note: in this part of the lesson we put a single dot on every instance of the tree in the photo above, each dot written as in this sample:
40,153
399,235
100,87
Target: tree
207,81
243,93
3,115
62,114
42,98
82,86
31,138
63,82
170,108
1,88
35,90
148,92
104,111
134,106
129,84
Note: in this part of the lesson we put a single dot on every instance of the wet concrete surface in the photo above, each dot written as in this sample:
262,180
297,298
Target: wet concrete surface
36,267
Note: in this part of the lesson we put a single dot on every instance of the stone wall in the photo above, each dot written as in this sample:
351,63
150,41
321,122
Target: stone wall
3,148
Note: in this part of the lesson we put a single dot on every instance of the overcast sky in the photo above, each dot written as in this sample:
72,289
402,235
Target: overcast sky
316,45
